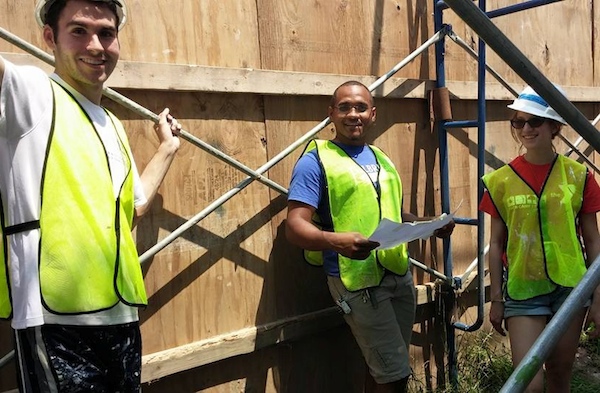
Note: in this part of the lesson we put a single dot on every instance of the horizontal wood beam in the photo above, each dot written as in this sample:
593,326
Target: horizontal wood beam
178,77
244,341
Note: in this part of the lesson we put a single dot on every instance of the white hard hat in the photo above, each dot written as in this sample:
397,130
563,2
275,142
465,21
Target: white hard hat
42,7
531,102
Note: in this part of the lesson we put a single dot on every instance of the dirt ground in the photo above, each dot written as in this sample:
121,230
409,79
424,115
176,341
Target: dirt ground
587,364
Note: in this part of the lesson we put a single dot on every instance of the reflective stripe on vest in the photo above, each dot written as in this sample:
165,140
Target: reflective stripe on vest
350,190
543,249
88,259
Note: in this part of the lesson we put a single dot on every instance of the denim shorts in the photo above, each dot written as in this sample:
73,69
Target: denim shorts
542,305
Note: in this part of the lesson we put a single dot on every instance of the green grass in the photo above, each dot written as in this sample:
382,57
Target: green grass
586,372
484,365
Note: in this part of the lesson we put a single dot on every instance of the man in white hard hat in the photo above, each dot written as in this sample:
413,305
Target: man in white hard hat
70,278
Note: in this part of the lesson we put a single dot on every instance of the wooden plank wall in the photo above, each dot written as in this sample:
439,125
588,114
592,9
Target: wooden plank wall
232,306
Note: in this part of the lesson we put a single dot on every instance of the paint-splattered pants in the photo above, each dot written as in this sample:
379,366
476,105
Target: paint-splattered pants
65,359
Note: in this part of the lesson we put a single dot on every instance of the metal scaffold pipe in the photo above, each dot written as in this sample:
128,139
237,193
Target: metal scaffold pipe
512,56
7,358
572,146
454,37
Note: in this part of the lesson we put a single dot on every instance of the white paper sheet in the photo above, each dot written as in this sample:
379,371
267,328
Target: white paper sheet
390,233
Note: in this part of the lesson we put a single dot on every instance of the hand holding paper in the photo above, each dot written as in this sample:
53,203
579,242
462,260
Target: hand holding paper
389,233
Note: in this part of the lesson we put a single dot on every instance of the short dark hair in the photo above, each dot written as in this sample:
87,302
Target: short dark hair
350,83
59,5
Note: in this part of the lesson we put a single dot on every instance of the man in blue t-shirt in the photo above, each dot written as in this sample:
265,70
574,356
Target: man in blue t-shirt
346,184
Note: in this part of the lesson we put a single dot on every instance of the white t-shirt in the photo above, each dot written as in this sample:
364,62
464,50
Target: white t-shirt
25,121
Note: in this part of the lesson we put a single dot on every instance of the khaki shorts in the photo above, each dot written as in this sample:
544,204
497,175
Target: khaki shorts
381,320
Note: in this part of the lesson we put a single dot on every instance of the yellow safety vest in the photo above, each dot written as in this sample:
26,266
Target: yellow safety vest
88,260
543,249
355,206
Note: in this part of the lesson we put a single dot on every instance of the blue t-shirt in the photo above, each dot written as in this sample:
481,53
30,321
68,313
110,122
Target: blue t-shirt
308,186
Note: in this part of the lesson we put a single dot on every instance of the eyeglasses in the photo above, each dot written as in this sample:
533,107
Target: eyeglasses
347,108
534,122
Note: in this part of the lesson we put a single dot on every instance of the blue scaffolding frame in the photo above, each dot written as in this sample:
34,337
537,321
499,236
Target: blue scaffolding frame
479,20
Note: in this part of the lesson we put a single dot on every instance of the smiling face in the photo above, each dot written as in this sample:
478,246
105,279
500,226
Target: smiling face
537,137
352,113
86,48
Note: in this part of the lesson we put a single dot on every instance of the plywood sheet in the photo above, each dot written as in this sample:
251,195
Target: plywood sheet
16,17
217,266
222,33
350,37
562,49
